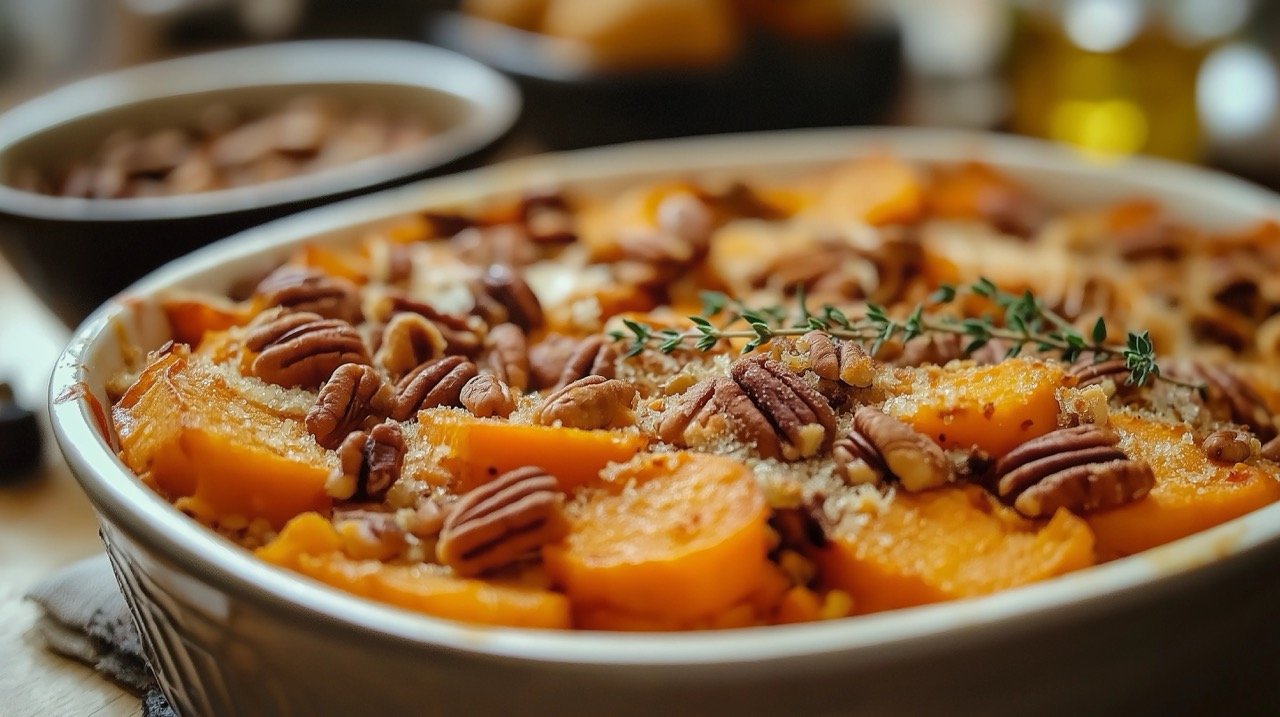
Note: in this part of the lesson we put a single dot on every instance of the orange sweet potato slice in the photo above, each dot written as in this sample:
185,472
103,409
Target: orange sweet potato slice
191,317
973,191
347,264
992,407
948,543
480,450
672,538
877,189
310,545
1191,492
200,438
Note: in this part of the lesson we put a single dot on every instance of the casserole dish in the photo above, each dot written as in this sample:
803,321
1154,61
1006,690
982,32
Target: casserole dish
228,634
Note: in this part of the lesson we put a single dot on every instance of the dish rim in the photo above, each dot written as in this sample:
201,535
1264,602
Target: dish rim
236,574
493,106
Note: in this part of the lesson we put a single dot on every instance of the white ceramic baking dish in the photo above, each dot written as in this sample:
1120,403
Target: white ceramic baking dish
1185,628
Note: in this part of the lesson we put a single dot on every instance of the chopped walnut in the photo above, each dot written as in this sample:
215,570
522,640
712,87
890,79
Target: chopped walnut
352,394
589,403
303,349
370,463
502,521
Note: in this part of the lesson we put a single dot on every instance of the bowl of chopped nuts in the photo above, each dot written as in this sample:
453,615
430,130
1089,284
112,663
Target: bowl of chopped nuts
843,421
109,177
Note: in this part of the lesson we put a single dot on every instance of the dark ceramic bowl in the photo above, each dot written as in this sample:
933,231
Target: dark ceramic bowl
76,253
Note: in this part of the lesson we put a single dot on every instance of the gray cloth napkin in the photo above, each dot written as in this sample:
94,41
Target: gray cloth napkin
85,618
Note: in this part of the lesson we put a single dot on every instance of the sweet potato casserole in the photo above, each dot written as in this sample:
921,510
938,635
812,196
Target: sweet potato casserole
699,403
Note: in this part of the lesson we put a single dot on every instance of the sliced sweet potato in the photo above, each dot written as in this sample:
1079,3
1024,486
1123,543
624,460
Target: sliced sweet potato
945,544
192,316
347,264
480,450
975,191
225,453
310,545
673,538
877,189
992,407
1191,492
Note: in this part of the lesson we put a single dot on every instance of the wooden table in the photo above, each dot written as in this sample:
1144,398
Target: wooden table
45,523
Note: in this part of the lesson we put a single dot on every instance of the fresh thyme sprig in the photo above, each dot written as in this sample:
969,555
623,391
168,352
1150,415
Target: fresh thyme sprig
1024,321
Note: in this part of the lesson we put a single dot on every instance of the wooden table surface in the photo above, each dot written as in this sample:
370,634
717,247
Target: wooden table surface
45,523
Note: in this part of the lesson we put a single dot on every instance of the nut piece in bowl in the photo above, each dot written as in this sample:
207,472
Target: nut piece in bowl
107,178
702,434
225,147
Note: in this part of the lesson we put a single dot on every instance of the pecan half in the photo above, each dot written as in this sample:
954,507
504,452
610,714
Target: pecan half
548,217
303,349
898,260
505,286
837,360
409,341
593,356
302,289
681,237
686,409
1089,372
446,224
1229,446
1271,450
461,336
881,447
433,384
1232,398
547,359
801,418
1081,469
589,403
938,349
763,405
370,462
485,396
351,395
500,522
484,246
508,356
